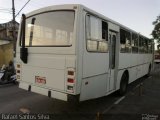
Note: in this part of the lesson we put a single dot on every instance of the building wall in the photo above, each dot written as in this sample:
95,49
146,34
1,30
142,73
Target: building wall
1,56
6,53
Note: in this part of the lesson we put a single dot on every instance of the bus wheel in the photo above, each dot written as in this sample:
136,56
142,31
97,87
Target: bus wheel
123,84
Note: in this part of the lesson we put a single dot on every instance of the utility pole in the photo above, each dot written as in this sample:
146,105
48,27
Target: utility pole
13,28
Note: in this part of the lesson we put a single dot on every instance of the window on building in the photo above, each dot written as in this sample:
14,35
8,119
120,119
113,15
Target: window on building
97,34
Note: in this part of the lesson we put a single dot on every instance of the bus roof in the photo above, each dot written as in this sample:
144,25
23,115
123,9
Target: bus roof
82,7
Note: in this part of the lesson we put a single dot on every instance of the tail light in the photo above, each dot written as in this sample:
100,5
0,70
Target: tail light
18,72
70,72
70,88
18,77
71,79
18,66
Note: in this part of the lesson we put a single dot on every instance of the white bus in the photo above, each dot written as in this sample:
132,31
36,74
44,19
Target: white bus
72,52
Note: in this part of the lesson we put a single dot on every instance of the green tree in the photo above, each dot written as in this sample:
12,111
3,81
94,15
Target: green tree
156,30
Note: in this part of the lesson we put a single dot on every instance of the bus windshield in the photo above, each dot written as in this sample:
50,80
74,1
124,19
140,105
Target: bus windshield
53,28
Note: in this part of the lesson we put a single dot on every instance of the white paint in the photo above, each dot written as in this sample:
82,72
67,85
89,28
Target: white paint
93,76
93,87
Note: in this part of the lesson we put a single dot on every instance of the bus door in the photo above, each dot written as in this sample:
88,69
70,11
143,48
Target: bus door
112,56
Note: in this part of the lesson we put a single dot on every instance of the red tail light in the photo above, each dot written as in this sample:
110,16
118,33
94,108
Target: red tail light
70,80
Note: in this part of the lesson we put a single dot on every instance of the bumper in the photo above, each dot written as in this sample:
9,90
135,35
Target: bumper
43,91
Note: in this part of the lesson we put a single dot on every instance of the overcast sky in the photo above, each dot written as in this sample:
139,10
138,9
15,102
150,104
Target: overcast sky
135,14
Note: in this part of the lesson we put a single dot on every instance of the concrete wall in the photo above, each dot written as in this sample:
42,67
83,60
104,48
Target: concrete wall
6,53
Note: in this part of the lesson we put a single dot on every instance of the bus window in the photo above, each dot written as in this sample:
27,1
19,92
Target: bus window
122,40
149,46
104,31
141,47
50,29
97,34
125,41
146,45
103,45
134,43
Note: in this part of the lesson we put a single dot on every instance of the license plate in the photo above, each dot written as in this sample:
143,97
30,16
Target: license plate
40,80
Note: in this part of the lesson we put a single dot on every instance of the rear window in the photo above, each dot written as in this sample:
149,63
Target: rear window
50,29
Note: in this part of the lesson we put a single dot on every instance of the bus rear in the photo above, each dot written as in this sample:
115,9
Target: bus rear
46,55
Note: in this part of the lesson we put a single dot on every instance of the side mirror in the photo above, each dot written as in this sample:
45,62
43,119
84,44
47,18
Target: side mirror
24,54
23,50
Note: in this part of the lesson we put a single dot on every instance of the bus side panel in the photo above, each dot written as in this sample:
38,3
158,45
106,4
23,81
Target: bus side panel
95,75
124,60
136,64
93,87
95,64
132,74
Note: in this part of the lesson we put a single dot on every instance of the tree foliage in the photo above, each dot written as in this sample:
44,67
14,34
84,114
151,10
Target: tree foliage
156,31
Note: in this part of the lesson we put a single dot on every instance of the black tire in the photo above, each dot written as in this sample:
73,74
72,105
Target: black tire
123,84
149,71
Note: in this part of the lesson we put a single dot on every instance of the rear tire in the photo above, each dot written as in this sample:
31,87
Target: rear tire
123,84
149,71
